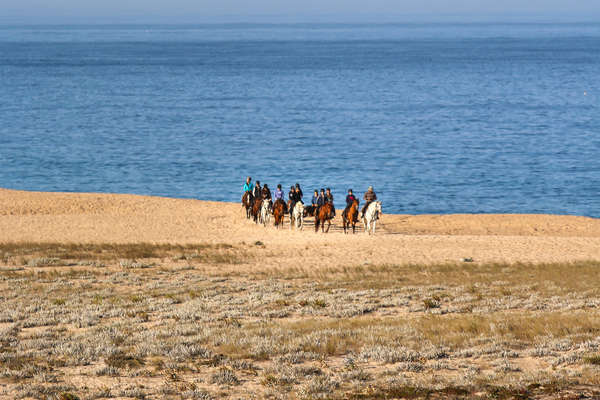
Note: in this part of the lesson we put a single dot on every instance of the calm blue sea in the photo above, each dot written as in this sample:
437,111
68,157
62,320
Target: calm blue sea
461,118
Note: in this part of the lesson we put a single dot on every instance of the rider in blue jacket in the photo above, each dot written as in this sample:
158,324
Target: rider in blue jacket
248,185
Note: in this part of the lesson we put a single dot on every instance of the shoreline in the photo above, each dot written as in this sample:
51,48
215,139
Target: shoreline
142,196
3,189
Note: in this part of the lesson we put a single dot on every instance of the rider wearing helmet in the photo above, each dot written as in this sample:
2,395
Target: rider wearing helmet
279,196
266,192
257,191
329,198
369,197
350,198
299,193
321,200
278,193
293,197
248,185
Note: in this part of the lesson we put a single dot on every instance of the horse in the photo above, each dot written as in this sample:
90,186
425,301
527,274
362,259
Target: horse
279,211
247,200
265,212
256,205
325,214
297,216
371,216
309,211
350,216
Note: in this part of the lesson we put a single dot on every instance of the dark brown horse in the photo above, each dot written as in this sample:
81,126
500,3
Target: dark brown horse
247,200
279,211
256,205
350,216
325,215
309,211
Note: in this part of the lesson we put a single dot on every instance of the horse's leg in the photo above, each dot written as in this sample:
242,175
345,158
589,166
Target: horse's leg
374,224
316,225
328,225
302,221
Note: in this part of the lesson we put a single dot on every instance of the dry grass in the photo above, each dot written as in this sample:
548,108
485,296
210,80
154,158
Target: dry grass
147,323
581,275
36,254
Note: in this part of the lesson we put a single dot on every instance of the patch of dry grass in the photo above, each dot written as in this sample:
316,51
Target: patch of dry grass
361,332
580,275
35,254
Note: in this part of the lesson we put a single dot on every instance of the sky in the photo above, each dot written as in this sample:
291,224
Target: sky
204,11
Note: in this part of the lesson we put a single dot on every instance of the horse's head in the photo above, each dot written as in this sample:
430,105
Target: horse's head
378,206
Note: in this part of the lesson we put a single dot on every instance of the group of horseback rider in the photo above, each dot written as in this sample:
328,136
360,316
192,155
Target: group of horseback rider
295,195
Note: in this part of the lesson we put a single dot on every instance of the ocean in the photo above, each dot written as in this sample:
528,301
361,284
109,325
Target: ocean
439,118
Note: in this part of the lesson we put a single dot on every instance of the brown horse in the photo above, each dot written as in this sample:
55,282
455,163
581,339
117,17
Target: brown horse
256,205
325,214
247,200
350,216
309,211
279,211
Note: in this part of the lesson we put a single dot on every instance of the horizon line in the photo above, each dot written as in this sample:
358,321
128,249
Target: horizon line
283,19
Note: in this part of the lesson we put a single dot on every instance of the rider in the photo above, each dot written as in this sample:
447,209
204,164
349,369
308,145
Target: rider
257,190
329,198
266,195
314,199
299,193
292,195
279,196
266,192
350,198
369,197
321,200
248,185
278,193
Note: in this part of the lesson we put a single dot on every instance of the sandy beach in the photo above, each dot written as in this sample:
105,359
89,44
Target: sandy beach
107,296
98,218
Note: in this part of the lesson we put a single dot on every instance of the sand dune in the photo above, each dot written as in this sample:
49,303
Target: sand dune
88,217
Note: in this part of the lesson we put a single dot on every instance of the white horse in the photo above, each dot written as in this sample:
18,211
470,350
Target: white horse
297,216
265,212
371,216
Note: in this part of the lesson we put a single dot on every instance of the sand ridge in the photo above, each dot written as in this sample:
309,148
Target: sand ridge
122,218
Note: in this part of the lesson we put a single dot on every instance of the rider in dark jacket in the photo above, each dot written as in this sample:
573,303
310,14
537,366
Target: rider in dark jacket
369,197
257,193
299,193
329,198
293,197
266,192
321,200
350,198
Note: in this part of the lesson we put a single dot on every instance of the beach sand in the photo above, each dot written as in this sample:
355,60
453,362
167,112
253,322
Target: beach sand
116,218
